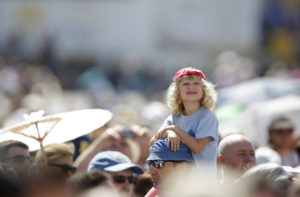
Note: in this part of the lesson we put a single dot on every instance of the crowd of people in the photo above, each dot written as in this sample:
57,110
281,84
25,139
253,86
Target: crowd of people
186,156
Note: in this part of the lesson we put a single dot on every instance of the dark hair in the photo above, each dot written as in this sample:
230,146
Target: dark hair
9,182
143,185
6,145
87,180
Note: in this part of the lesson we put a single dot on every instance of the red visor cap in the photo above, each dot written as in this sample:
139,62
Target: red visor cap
188,71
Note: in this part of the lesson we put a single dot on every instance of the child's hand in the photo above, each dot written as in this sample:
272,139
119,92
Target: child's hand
173,140
161,134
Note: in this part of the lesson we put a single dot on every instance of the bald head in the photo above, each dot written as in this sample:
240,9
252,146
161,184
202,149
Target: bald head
237,152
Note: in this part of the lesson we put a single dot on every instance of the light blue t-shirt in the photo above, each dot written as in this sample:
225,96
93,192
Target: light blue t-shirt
201,124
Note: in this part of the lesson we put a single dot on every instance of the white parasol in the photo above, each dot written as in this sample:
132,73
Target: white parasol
38,130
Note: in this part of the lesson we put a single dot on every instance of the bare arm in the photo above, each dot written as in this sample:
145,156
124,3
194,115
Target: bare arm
161,134
84,158
100,144
196,145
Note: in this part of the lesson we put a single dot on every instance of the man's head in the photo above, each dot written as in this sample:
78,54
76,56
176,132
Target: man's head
17,155
267,179
83,182
237,153
119,166
162,160
280,133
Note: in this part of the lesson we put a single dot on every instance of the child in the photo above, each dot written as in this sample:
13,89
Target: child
191,99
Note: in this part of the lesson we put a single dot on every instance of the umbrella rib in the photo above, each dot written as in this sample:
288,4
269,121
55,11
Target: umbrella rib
19,131
30,136
47,131
53,125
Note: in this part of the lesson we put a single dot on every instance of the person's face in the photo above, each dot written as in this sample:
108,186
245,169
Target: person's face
281,138
123,181
20,159
121,146
240,156
63,165
190,89
114,141
159,174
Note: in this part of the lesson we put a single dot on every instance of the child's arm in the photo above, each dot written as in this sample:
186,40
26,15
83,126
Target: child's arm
196,145
161,134
173,140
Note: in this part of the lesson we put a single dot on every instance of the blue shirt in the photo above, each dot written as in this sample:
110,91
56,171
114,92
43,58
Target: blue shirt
201,124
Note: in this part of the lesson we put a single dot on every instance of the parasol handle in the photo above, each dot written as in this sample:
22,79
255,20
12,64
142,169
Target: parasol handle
42,147
44,155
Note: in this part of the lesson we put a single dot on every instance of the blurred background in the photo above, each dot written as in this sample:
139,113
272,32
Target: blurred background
121,55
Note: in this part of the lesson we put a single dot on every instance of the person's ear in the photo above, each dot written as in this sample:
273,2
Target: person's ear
221,159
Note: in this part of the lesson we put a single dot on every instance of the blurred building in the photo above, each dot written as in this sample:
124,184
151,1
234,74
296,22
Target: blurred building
161,32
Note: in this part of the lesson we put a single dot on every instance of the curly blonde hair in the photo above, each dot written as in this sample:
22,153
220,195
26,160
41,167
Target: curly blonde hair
175,104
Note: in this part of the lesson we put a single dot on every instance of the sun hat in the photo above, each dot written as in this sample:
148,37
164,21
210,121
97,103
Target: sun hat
160,151
281,123
188,71
113,161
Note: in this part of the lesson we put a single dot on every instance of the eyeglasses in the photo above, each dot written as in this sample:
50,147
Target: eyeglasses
159,163
122,179
19,158
283,131
64,167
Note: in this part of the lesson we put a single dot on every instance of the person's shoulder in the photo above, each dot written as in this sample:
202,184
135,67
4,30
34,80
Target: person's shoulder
207,113
175,116
170,118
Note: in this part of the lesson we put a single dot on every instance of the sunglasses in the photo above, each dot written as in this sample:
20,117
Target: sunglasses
64,167
159,163
156,163
283,131
19,158
122,179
